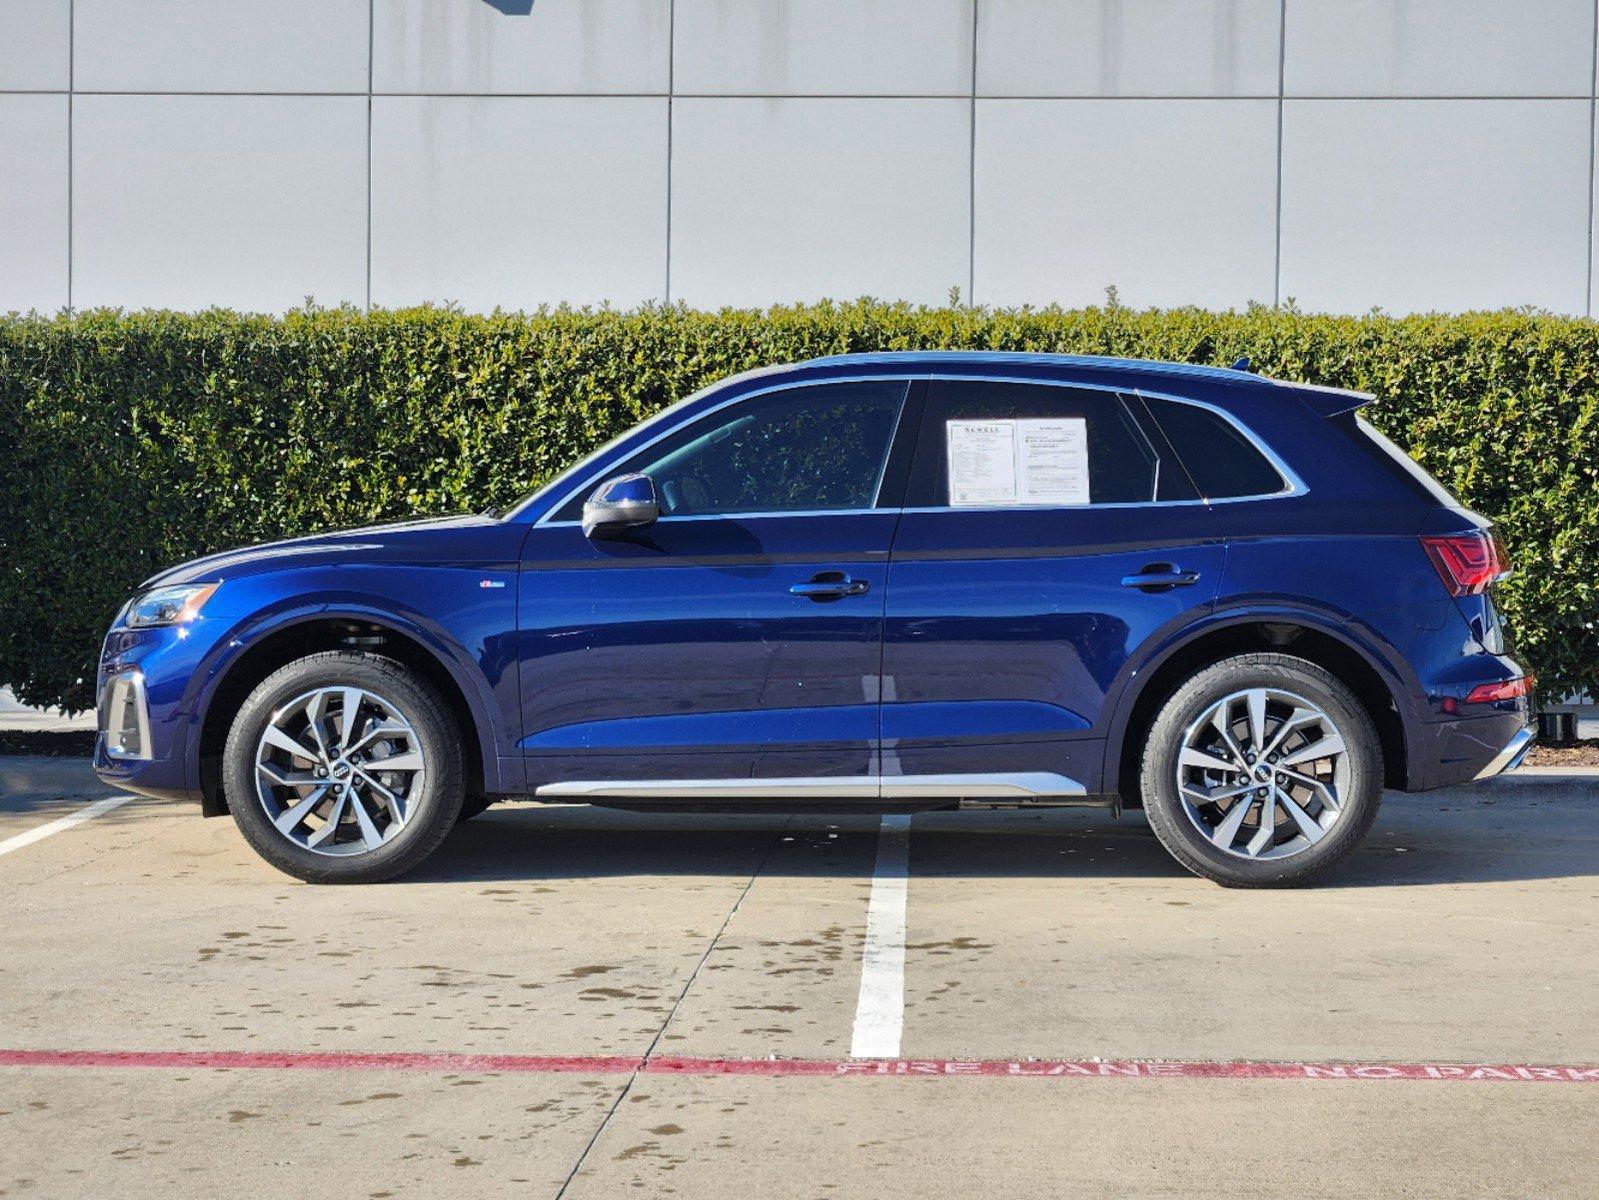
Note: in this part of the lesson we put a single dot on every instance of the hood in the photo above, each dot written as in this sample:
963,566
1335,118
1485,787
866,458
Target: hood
478,539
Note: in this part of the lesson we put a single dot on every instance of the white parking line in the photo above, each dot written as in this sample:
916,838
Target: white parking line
38,834
880,1011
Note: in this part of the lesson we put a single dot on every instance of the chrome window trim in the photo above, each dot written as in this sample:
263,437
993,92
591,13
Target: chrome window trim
780,512
1293,485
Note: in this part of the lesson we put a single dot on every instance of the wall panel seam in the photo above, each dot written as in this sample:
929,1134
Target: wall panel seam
1277,233
671,119
371,38
971,174
1593,132
72,120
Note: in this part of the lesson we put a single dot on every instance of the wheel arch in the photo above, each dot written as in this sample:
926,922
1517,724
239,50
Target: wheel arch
267,649
1380,688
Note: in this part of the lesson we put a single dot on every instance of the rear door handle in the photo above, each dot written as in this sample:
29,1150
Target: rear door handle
830,585
1160,577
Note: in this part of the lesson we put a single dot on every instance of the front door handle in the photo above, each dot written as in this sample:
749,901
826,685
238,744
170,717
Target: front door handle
1160,577
830,585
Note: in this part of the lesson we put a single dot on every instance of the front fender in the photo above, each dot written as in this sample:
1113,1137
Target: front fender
468,631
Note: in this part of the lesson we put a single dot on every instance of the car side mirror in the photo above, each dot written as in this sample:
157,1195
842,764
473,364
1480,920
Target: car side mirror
622,502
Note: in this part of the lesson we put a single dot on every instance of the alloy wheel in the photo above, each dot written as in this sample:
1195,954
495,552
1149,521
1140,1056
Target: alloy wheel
338,769
1263,773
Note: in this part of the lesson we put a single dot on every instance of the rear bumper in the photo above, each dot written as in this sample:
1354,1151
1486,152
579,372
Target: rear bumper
1462,751
1510,757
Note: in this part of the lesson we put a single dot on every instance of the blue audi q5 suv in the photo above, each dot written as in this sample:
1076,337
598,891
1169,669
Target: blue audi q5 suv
883,581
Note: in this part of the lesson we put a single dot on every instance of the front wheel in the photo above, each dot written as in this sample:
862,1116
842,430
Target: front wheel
1262,770
344,767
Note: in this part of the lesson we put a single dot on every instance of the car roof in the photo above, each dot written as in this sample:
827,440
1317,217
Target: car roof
1127,372
1013,358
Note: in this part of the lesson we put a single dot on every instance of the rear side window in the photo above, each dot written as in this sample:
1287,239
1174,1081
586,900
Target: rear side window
1223,463
1018,445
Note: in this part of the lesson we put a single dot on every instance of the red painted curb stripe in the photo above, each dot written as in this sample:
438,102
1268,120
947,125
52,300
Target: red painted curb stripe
903,1068
329,1061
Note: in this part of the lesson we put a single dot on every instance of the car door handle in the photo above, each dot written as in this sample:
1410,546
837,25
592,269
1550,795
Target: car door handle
830,585
1160,577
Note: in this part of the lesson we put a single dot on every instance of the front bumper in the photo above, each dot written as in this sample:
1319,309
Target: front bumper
124,717
143,724
1510,757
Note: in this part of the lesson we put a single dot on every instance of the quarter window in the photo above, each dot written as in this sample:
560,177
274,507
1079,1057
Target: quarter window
1222,461
805,448
1003,445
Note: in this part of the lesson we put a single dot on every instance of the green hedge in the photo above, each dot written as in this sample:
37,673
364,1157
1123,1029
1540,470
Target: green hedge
133,441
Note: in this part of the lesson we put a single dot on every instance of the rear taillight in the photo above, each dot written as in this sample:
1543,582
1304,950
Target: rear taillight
1467,562
1508,689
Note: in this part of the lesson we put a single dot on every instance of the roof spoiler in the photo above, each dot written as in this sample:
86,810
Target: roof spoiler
1328,401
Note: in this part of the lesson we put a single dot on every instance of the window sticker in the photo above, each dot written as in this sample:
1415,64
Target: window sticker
995,463
982,462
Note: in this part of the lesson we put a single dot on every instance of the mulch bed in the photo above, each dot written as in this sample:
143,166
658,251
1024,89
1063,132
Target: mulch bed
74,743
1578,754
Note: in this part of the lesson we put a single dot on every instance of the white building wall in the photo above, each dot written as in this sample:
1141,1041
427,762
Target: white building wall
1408,154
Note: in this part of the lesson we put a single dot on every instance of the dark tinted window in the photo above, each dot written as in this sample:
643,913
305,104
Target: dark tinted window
817,447
1171,482
1221,461
1058,445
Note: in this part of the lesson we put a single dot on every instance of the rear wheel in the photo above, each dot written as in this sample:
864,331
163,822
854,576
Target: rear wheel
1262,770
344,768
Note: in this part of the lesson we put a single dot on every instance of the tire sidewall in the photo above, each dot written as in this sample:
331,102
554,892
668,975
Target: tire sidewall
432,813
1164,806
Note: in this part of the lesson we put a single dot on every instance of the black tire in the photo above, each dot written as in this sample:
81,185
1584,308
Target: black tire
474,806
431,813
1169,817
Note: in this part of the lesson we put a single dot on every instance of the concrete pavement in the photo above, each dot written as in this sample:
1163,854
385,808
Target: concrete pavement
16,715
1463,932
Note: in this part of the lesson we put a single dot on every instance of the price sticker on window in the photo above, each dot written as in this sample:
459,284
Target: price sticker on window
1017,462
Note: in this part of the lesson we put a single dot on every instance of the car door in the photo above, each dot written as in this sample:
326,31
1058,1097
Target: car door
1048,532
736,638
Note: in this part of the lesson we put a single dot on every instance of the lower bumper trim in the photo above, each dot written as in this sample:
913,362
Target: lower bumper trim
1510,757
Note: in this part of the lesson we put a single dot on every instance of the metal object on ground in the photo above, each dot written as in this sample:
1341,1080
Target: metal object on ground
1557,728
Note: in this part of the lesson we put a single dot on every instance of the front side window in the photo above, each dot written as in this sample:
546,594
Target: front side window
1005,445
821,447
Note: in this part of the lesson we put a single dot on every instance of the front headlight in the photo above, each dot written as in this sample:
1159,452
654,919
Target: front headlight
168,605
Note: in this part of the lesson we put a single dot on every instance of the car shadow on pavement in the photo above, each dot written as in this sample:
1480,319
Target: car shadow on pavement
1541,824
1543,829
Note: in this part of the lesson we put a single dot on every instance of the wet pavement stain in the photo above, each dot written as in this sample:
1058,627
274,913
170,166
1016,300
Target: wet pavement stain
951,946
373,1096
